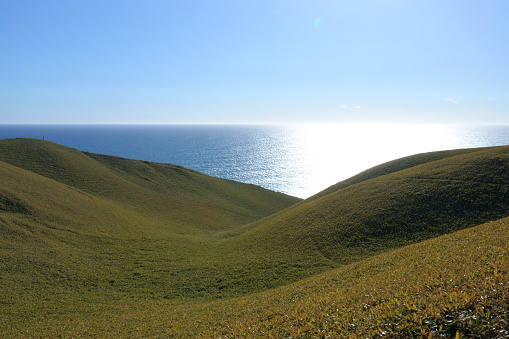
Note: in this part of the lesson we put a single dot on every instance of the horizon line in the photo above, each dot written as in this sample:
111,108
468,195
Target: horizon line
259,123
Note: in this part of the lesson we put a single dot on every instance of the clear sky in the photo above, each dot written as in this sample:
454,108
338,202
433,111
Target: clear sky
263,61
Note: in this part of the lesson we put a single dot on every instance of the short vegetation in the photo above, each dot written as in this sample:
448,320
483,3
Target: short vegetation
101,246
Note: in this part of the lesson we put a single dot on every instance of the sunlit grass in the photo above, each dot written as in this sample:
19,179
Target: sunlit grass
100,246
456,284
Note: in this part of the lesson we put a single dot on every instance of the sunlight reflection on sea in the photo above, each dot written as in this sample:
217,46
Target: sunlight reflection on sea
327,154
299,160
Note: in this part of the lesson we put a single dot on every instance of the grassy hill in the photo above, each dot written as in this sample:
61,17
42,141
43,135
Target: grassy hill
371,213
182,198
456,285
93,227
95,244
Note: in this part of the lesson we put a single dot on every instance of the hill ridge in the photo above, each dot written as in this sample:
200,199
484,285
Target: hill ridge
477,200
395,166
95,175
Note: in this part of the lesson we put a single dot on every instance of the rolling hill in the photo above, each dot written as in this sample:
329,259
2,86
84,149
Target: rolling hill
87,235
182,198
374,212
456,285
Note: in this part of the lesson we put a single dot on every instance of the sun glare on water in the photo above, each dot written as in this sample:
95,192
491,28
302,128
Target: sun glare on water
334,152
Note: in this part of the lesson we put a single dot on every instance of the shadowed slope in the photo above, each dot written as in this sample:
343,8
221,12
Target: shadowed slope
35,200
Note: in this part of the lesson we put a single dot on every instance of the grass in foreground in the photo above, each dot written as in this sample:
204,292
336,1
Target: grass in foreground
454,286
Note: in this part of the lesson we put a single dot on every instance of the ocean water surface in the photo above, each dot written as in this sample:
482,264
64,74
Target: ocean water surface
299,160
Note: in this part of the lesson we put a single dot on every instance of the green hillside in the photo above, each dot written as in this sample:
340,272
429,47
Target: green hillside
456,285
375,212
393,166
87,236
94,227
180,197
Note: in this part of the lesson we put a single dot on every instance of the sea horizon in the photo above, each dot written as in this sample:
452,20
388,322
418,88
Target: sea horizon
298,159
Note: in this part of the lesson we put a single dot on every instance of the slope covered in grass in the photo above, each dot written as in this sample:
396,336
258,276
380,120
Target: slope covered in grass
393,166
454,284
76,227
444,193
179,196
106,237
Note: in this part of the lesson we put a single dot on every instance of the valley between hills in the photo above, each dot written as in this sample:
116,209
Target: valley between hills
101,246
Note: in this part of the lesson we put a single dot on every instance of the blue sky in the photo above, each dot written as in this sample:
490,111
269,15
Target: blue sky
265,61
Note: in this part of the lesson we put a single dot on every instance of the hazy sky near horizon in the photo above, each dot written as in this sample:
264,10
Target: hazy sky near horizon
265,61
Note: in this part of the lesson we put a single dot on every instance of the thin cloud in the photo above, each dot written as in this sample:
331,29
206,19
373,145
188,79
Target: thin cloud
454,101
349,107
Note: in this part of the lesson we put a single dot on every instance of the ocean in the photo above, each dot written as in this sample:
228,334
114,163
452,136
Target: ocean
299,160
